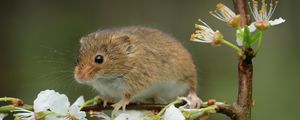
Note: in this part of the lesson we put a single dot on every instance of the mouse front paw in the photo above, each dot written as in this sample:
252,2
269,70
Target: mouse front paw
195,100
105,100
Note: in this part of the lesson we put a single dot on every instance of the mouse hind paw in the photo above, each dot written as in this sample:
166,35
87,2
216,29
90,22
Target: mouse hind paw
195,100
121,104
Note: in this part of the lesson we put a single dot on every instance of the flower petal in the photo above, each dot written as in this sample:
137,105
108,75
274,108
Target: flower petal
101,115
133,115
2,115
252,27
239,42
122,116
75,112
25,116
42,102
79,101
59,104
277,21
54,117
172,113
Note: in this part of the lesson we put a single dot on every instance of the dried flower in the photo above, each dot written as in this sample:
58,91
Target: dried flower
205,34
225,14
262,16
17,102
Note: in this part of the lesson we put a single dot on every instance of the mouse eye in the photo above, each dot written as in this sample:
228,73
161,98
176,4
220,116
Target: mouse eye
99,59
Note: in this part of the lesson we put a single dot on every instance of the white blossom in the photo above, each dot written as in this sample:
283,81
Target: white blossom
277,21
57,104
173,113
74,109
263,14
239,41
225,14
2,115
100,115
205,34
49,99
25,115
65,112
133,115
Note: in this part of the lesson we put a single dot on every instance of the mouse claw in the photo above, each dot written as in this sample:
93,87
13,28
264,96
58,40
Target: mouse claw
195,100
105,100
104,103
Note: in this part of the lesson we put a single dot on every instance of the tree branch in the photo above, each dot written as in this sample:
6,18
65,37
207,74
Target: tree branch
228,110
240,7
131,106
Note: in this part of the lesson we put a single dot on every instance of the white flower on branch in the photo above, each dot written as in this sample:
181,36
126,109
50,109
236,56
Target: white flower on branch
55,106
51,100
173,113
225,14
100,115
206,34
25,115
263,15
133,115
2,115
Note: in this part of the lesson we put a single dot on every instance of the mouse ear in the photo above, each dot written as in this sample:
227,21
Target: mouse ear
81,41
126,43
123,38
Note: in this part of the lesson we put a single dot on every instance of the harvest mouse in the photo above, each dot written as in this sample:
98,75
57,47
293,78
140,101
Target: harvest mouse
136,64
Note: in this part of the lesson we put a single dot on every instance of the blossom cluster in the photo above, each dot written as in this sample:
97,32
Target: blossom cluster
261,12
51,105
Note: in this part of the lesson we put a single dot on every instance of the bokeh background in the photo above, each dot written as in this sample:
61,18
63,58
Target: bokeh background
39,44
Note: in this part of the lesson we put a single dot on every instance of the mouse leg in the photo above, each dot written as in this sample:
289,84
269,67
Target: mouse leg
121,104
106,99
195,100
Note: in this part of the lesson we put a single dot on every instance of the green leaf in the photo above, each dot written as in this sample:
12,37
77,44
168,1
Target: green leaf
240,36
247,36
255,37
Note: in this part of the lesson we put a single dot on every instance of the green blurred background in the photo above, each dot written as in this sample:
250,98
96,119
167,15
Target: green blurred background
39,44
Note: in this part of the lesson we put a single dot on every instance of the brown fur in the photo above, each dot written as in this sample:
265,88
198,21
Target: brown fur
141,56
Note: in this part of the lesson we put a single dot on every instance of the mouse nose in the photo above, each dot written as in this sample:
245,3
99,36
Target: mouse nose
83,74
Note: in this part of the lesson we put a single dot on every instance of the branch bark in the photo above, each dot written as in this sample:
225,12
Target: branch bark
131,106
240,7
244,101
245,69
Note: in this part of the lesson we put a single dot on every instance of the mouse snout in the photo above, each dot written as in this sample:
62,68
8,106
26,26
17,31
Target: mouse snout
83,74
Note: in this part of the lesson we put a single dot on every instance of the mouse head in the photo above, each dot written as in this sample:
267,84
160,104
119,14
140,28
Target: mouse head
104,55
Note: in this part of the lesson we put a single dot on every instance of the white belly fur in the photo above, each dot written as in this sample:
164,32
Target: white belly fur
166,91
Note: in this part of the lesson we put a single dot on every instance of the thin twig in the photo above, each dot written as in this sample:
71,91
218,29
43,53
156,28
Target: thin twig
131,106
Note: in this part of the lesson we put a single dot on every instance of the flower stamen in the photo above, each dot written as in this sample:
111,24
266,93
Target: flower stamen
205,34
225,14
263,15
